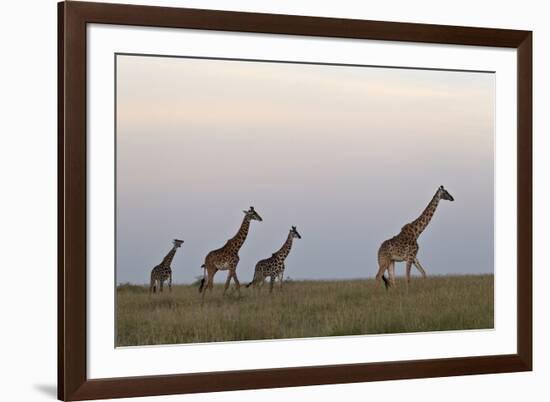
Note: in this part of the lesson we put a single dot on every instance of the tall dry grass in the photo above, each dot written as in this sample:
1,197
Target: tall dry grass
303,309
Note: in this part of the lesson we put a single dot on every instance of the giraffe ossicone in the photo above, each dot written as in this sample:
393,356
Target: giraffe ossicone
404,246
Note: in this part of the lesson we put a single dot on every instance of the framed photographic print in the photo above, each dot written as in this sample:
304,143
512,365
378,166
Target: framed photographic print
253,200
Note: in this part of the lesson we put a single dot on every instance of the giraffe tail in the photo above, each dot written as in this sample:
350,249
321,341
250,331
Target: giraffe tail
386,282
201,287
253,280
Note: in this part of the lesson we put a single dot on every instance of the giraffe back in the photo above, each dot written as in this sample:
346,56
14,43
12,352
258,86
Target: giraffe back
270,266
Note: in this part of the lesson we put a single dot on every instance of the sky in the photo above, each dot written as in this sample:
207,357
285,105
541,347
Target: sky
347,154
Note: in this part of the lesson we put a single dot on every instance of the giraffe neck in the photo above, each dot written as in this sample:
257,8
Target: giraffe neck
237,241
285,249
169,257
420,223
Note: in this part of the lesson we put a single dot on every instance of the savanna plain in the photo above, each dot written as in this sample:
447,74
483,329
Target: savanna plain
303,309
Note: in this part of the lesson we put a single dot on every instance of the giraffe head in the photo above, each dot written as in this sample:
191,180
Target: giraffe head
177,243
294,233
252,215
444,194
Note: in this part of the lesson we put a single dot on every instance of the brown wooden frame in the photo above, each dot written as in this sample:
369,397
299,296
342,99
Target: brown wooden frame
73,383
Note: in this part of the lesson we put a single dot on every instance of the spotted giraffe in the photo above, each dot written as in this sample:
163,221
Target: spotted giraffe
227,257
404,246
274,266
163,271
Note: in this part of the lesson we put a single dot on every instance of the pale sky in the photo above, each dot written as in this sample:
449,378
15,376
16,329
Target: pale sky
346,154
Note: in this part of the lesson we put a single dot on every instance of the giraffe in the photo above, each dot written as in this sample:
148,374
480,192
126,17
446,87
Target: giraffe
274,266
404,246
227,257
163,272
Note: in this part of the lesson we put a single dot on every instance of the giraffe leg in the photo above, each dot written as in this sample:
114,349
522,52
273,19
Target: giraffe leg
281,280
227,281
170,282
383,264
419,267
272,280
261,282
391,273
208,283
408,275
151,284
257,280
380,272
408,271
261,279
237,283
211,279
161,284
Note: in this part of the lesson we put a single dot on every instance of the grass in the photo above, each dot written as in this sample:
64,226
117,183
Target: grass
303,309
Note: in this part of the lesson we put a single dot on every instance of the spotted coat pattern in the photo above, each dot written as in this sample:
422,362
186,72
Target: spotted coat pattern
226,258
404,246
163,271
274,266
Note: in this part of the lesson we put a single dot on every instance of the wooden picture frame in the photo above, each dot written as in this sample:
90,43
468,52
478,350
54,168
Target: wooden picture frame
73,382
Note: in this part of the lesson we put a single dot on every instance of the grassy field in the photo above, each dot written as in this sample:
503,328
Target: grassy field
303,309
